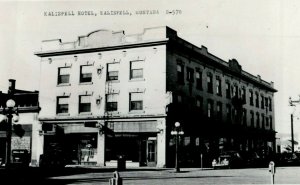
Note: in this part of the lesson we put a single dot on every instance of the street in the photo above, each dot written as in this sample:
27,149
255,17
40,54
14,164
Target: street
154,176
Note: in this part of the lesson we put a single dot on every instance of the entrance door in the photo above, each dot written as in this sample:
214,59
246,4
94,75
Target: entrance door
151,153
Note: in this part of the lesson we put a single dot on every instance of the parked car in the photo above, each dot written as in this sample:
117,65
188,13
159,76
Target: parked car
229,159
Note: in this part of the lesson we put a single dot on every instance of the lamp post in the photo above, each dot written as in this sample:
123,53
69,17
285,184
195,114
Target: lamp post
9,111
177,131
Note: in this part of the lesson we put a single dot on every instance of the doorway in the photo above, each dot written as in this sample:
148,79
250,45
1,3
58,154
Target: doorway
151,153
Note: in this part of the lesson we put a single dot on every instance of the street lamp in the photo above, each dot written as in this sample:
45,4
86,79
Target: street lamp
177,131
10,117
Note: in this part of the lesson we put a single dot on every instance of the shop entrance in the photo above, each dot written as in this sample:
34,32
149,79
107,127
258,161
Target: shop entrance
151,152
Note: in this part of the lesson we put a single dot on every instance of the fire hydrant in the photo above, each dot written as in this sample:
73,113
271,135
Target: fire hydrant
116,180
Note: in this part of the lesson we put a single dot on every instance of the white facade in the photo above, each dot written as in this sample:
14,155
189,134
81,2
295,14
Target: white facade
98,50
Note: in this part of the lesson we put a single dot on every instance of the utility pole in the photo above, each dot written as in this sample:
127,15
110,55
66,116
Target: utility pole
293,103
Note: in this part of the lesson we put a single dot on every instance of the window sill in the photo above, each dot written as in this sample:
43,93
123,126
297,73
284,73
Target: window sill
63,84
85,113
113,81
136,79
136,111
63,114
85,83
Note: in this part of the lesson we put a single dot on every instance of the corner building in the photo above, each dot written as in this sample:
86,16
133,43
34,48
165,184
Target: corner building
114,94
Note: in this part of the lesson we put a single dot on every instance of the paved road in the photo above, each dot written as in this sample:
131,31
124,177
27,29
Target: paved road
152,176
284,175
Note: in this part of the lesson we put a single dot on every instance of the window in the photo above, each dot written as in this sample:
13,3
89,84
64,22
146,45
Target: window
209,83
180,74
111,102
136,101
219,110
256,99
251,97
62,105
271,126
257,120
270,104
136,69
84,103
228,112
245,117
267,121
266,103
252,119
189,74
112,71
199,102
263,121
228,90
199,80
209,108
244,94
262,102
85,74
235,91
63,75
218,83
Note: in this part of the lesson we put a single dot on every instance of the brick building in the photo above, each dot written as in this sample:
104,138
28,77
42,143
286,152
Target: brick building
116,94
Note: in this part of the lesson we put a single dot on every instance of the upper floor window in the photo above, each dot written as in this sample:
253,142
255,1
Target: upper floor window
251,97
267,121
84,103
219,89
199,80
136,69
256,99
111,102
262,101
270,104
136,101
219,110
199,102
252,119
86,73
271,124
244,117
263,121
112,71
244,94
190,74
266,103
63,75
235,91
62,105
257,120
228,90
209,108
228,112
180,74
209,83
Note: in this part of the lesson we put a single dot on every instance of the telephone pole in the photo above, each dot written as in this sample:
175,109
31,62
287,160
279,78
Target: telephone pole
293,103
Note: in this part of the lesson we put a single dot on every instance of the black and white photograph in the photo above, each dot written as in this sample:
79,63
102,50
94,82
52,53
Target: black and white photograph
158,92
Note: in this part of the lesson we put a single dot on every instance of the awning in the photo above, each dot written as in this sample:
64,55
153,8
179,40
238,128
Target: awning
133,126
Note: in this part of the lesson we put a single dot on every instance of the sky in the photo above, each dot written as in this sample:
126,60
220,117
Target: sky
263,35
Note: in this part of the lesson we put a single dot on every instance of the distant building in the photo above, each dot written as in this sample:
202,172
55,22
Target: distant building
28,108
115,94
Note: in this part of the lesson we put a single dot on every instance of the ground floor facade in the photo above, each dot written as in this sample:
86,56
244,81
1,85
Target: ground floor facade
142,142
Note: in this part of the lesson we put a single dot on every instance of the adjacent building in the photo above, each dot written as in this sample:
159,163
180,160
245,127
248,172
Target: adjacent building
114,94
27,107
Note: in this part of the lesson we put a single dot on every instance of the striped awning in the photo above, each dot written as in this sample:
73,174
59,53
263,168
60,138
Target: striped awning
133,126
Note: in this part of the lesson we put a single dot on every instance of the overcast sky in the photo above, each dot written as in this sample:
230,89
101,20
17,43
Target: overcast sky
263,35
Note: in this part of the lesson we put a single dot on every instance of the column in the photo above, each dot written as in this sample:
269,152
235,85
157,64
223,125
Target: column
161,143
101,149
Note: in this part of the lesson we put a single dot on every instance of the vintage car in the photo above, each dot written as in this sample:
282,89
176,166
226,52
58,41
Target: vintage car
229,159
